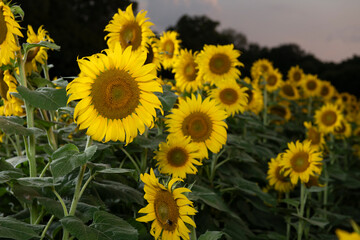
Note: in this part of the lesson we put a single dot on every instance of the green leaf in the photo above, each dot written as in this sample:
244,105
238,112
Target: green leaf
10,127
315,189
114,227
67,158
17,10
37,181
115,170
82,232
292,202
28,46
211,235
52,206
25,194
209,197
151,143
8,172
14,161
42,82
44,98
167,98
15,229
320,222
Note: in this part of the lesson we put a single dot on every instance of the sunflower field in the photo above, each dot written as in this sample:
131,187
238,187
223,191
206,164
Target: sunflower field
122,152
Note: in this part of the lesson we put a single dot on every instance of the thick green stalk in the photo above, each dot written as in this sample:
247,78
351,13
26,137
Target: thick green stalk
301,213
47,227
309,108
265,101
287,196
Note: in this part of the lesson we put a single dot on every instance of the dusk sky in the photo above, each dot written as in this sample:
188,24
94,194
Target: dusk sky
330,29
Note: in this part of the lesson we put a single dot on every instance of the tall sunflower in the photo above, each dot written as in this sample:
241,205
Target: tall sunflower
117,94
273,80
37,54
328,117
12,104
344,131
255,98
186,72
300,161
202,120
231,97
289,91
9,29
314,135
259,68
219,63
276,177
169,48
280,110
168,208
311,85
153,52
327,90
177,156
296,75
128,30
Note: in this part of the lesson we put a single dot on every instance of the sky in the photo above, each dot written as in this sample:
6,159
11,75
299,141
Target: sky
329,29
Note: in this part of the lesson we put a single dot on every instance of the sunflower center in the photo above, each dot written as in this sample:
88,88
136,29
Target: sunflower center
300,161
177,157
324,91
220,64
288,90
166,210
228,96
198,125
115,94
297,76
130,34
250,95
3,27
4,88
311,85
264,68
329,118
32,54
279,176
271,81
314,136
169,48
150,54
190,71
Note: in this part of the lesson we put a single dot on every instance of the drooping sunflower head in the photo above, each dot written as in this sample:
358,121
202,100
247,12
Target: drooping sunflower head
346,97
219,63
344,131
289,91
255,98
328,117
231,97
281,111
314,182
169,48
202,121
117,95
12,104
168,208
300,161
152,49
37,54
259,68
296,75
327,90
186,72
177,157
311,86
314,135
128,30
275,176
9,28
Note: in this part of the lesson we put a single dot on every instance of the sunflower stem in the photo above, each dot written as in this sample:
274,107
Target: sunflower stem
325,199
47,227
265,101
16,145
193,232
287,196
307,229
301,213
131,159
309,108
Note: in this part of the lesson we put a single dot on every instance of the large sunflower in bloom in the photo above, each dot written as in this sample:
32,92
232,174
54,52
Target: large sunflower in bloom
168,208
177,156
311,85
129,30
169,48
231,97
273,80
300,161
12,105
296,75
203,121
117,94
219,63
37,54
328,117
314,135
276,177
186,71
9,28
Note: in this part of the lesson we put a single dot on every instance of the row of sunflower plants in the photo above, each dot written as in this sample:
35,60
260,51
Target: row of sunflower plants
121,152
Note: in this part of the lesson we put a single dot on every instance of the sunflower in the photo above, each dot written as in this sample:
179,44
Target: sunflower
219,63
37,54
177,157
327,90
168,209
9,28
311,86
255,98
328,117
259,68
344,131
280,110
289,91
300,160
314,182
346,97
314,135
231,97
276,177
186,72
273,80
117,94
169,48
296,75
128,30
344,235
12,104
152,50
202,120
